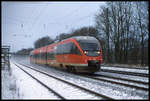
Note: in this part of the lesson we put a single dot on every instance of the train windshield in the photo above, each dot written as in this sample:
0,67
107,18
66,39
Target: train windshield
89,45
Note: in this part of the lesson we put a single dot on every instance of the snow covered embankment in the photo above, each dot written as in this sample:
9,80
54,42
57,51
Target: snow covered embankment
21,86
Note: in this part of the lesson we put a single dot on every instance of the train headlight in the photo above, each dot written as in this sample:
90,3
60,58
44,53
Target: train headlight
98,52
85,52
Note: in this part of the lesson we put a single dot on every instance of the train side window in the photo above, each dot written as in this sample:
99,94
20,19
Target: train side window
35,56
75,50
59,49
41,55
44,56
67,48
51,55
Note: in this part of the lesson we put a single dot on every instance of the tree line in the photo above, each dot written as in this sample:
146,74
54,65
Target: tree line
121,27
23,51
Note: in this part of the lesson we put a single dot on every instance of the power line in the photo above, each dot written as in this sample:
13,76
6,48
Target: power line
59,23
70,13
64,17
56,22
77,20
36,19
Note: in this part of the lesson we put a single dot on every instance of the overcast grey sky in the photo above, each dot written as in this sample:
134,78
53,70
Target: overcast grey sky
24,22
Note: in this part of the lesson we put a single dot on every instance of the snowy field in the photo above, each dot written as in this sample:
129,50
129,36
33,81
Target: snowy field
22,86
127,70
18,85
125,65
64,89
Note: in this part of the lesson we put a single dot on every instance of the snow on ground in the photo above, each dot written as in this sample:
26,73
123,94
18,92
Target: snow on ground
124,82
64,89
9,90
113,90
27,88
127,69
125,65
130,77
21,86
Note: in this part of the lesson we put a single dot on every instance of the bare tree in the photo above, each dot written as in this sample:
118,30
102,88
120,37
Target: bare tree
142,18
43,42
118,27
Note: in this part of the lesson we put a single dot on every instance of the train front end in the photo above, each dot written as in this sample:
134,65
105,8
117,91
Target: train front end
92,54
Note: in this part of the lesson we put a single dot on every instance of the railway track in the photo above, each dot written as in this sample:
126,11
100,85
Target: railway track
126,73
119,81
124,79
127,67
66,82
57,94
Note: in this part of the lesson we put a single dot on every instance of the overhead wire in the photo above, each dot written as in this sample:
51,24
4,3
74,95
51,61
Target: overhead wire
72,12
77,20
36,19
56,23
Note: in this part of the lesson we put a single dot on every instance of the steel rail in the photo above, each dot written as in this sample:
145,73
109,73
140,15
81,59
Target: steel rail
114,82
42,83
126,67
124,79
126,73
123,84
75,85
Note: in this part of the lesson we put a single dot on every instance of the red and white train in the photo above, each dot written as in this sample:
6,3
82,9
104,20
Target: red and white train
75,54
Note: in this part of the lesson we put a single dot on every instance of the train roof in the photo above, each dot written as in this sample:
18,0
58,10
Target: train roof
78,38
84,38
